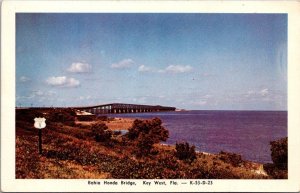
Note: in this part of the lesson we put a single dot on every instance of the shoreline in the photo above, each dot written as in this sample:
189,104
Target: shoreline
121,123
118,122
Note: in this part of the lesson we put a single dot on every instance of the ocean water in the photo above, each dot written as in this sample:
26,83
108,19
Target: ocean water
244,132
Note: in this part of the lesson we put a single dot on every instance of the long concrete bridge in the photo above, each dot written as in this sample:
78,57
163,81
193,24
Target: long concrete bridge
124,108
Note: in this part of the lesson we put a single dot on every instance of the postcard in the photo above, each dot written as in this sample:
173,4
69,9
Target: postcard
150,96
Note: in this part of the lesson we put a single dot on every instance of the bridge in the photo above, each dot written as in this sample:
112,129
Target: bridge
124,108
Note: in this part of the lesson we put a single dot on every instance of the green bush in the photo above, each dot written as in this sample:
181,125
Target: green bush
28,115
144,145
278,169
66,116
86,117
152,127
231,158
279,153
116,133
274,172
145,133
168,161
185,152
102,118
101,132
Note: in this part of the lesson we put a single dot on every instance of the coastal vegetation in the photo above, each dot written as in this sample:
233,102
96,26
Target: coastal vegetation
279,153
75,148
185,152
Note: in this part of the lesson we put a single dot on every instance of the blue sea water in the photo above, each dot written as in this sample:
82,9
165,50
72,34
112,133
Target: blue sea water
244,132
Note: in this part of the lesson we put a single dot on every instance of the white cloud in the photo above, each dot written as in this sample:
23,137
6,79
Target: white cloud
173,69
201,102
24,79
80,67
178,69
85,97
198,103
39,93
126,63
264,92
250,92
206,74
143,68
62,81
258,93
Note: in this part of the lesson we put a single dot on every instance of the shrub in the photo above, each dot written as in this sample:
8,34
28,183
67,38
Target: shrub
146,133
102,118
231,158
28,114
185,152
168,161
274,172
153,128
101,132
83,135
86,117
278,169
66,116
83,126
117,133
144,145
279,153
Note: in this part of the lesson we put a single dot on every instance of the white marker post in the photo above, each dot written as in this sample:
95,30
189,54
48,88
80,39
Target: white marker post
39,123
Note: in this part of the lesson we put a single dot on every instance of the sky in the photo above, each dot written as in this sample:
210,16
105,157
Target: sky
189,61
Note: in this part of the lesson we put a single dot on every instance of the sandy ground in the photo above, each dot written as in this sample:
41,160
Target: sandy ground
120,123
116,124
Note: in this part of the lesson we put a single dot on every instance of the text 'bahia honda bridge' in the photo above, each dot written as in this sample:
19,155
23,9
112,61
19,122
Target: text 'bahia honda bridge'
113,108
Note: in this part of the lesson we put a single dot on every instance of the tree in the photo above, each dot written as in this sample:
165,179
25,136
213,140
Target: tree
185,152
152,127
101,132
146,133
279,153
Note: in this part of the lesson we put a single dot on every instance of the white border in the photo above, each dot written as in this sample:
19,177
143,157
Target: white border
9,8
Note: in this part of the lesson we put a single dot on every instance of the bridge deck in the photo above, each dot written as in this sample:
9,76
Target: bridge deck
124,108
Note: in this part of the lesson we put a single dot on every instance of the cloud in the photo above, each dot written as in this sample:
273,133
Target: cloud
39,93
80,67
207,96
140,100
24,79
62,81
174,69
126,63
143,68
201,103
206,74
264,92
258,93
198,103
85,97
